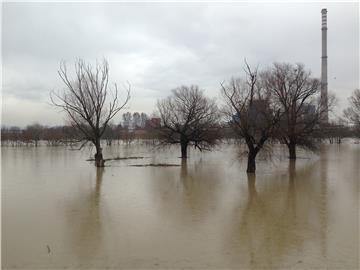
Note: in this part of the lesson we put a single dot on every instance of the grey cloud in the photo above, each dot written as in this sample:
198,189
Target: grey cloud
159,46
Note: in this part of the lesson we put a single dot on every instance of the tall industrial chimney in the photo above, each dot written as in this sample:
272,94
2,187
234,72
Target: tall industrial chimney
324,80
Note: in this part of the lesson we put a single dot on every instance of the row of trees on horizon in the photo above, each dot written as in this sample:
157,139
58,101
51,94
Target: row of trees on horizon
33,134
279,103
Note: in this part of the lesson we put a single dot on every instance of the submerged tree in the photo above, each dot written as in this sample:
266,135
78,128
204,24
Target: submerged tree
189,118
294,92
34,133
353,112
251,113
89,102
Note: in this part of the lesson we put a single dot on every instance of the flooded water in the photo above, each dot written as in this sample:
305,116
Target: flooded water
59,211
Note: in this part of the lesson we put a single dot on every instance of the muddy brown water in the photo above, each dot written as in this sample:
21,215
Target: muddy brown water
58,211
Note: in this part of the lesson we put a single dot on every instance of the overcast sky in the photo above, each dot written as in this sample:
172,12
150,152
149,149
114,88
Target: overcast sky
159,46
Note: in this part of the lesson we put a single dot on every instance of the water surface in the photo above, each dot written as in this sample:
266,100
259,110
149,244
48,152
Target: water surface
59,211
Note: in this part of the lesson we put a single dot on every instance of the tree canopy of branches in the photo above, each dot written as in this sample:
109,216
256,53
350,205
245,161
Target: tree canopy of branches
294,92
353,112
89,102
188,118
252,116
34,133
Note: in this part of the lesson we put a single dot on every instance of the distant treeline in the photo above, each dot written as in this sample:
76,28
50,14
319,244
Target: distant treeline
130,131
32,135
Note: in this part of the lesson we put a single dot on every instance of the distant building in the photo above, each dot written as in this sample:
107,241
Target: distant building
256,113
309,112
236,118
153,122
309,109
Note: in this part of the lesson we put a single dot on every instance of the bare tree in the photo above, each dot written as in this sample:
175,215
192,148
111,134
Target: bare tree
54,136
89,102
33,133
335,131
353,112
295,94
252,116
144,118
127,120
188,118
136,119
110,134
12,136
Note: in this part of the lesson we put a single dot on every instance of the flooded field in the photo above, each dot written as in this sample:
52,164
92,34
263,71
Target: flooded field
59,211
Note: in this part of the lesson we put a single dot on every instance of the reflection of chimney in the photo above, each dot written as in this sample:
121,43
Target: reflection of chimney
324,81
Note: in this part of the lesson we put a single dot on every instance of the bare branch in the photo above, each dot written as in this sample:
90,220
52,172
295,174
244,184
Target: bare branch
86,100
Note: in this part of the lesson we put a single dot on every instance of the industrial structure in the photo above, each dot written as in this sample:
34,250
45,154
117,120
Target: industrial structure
324,80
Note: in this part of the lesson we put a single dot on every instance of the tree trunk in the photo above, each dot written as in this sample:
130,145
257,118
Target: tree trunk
99,161
184,171
292,168
184,146
292,150
252,188
251,166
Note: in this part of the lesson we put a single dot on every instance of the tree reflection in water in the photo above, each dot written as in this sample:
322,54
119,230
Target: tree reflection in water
271,226
186,195
84,214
